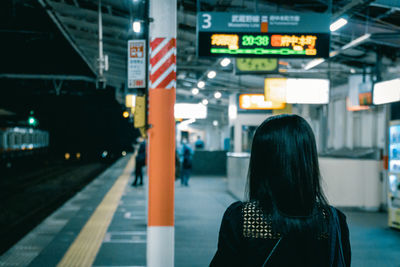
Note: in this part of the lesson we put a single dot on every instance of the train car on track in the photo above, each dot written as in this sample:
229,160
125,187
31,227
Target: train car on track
22,141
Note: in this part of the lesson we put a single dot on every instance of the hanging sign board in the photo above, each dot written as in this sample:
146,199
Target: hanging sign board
257,102
136,63
256,65
290,35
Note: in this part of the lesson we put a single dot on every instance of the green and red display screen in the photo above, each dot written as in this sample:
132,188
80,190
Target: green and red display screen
304,45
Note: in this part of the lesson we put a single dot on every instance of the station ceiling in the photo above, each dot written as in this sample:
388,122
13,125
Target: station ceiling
78,22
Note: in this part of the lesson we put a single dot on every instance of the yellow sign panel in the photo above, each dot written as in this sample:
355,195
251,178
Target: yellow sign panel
140,112
257,64
130,100
257,102
286,110
275,90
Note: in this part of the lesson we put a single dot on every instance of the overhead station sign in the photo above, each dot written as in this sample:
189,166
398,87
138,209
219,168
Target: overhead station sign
294,35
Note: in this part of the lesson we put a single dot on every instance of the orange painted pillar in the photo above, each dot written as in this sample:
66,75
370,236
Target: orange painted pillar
160,233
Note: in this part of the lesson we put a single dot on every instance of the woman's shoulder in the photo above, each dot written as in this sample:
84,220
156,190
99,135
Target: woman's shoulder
234,208
239,207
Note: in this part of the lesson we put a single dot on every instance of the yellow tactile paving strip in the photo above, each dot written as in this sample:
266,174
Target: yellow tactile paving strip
84,249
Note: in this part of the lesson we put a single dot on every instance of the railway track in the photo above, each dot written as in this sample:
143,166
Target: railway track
24,203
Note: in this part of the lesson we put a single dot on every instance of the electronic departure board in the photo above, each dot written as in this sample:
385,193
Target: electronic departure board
274,35
281,45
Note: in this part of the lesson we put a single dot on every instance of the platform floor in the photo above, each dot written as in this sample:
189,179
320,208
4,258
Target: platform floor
198,212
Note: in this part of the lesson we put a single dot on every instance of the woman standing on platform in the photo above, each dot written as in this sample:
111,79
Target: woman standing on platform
287,220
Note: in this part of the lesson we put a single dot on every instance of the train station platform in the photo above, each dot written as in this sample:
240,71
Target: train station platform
105,225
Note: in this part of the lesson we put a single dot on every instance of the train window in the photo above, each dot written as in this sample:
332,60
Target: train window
11,140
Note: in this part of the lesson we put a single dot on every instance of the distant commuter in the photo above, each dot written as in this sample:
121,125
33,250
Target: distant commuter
186,163
199,144
287,220
140,163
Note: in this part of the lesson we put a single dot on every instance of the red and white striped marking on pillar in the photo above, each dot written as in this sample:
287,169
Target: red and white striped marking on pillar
163,63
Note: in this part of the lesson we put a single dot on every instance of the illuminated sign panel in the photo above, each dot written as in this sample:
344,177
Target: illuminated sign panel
256,65
263,44
190,111
295,35
386,92
297,91
257,102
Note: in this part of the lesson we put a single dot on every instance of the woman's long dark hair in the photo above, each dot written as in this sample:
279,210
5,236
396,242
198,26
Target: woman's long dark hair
284,176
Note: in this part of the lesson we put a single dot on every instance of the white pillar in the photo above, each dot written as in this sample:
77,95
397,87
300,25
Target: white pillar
160,232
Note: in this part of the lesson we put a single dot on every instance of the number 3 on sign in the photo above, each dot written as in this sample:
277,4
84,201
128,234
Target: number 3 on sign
206,21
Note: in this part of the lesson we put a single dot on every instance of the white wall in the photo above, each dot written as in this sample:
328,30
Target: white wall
346,182
214,137
352,182
350,129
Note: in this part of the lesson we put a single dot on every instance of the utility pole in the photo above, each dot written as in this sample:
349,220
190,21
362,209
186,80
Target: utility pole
103,59
162,93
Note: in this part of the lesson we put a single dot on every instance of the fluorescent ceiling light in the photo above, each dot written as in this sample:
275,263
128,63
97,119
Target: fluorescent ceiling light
204,102
215,123
313,63
190,111
136,26
338,24
225,62
386,92
211,74
195,91
357,41
217,95
201,84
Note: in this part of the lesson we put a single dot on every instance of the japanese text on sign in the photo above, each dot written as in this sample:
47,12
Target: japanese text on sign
264,44
136,63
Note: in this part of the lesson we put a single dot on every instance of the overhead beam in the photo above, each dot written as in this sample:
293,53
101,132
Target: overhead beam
56,20
83,13
91,37
76,23
350,6
47,77
107,48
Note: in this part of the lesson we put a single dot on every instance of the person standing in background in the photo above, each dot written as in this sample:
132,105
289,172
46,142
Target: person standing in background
186,163
199,144
140,163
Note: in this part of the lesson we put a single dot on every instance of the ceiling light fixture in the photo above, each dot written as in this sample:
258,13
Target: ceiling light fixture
357,41
211,74
338,24
225,62
217,95
201,84
195,91
136,26
204,102
313,63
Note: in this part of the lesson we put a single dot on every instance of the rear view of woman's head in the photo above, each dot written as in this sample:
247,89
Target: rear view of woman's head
284,171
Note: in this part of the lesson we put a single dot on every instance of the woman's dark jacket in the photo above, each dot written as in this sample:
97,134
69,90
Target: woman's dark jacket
246,238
